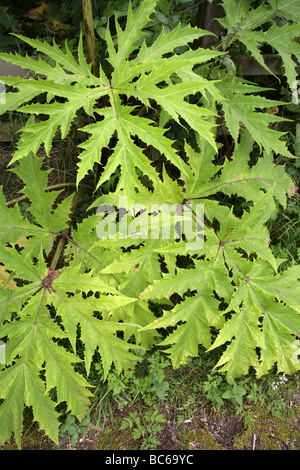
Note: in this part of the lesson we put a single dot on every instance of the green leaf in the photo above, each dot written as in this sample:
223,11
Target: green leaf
95,333
198,312
131,33
243,23
42,203
21,384
64,59
68,95
241,108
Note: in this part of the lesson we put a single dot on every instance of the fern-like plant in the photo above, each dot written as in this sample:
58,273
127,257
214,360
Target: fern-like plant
71,284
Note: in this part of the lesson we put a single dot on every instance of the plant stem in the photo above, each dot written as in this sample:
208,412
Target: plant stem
90,35
49,188
92,58
64,235
58,251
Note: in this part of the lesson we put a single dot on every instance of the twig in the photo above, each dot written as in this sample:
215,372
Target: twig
49,188
254,441
90,35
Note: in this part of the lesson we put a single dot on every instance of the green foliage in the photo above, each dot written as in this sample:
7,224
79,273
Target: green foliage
273,23
272,392
216,390
77,293
147,383
73,429
39,337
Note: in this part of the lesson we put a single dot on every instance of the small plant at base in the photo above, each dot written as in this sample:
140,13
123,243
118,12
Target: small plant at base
282,379
217,389
145,426
73,429
235,392
213,390
152,383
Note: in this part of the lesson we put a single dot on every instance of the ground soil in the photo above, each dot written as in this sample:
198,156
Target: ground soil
258,429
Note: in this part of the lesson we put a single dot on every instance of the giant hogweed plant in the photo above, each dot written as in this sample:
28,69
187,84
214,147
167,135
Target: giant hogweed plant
67,284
